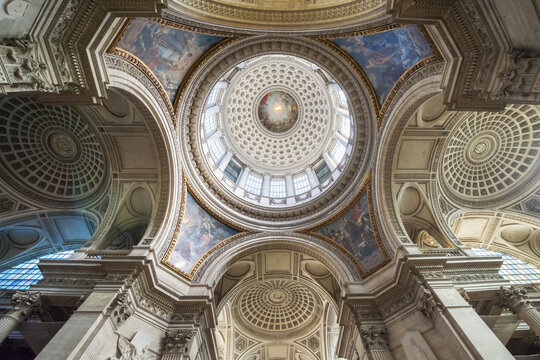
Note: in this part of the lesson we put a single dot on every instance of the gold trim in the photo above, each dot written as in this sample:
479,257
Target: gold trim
165,260
370,31
429,39
395,88
139,64
380,109
119,35
196,66
366,187
203,204
175,25
359,70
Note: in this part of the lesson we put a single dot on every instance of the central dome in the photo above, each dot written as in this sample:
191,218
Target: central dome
277,111
278,130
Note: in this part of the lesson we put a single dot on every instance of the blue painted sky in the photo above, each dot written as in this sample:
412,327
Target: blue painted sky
386,56
168,52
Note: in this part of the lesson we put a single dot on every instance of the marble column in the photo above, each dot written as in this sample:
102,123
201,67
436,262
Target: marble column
83,335
24,304
460,325
375,340
516,301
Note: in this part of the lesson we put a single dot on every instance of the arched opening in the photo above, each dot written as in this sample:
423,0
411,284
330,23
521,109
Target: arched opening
277,304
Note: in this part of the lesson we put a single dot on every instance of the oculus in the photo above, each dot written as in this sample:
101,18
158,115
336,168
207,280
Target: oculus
278,111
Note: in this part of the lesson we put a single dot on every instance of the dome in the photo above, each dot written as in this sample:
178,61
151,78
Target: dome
277,130
274,138
277,308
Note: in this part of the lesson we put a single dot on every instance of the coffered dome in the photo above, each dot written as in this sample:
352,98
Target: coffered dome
491,155
51,153
278,130
272,136
277,308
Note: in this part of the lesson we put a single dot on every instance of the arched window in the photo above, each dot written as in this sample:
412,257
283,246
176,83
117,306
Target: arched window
21,276
517,271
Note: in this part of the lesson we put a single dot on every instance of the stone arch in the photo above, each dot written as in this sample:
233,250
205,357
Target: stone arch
248,215
140,90
217,262
421,86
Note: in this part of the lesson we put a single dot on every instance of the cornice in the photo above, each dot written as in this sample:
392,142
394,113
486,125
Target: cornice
208,188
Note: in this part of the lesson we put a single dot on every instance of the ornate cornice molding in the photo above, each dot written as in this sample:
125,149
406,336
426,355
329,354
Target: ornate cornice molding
484,72
206,185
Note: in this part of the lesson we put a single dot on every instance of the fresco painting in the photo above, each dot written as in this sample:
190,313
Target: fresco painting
354,231
278,111
168,52
198,234
386,56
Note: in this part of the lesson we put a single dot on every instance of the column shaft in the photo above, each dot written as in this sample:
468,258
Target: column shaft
73,340
531,316
8,323
465,330
381,354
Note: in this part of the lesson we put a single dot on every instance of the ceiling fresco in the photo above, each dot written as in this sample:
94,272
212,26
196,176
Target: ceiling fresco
355,231
168,52
199,232
387,55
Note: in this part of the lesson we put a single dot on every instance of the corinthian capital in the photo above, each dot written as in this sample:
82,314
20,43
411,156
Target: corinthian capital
175,340
26,299
374,337
513,299
25,303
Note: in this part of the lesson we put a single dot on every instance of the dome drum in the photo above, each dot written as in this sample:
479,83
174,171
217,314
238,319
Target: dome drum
277,134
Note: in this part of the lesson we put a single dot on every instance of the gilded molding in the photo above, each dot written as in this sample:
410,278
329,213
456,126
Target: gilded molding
172,243
366,187
139,64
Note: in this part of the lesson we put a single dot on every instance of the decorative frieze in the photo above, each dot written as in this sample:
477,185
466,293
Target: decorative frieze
175,341
121,310
19,68
427,303
374,337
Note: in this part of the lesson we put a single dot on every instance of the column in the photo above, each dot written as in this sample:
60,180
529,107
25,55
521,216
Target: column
341,139
329,161
375,340
289,187
83,329
460,325
266,185
24,304
225,160
516,301
312,177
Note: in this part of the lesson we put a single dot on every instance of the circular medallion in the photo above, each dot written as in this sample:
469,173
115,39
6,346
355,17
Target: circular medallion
62,145
278,111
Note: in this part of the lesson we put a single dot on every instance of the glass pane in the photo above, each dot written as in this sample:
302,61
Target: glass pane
21,276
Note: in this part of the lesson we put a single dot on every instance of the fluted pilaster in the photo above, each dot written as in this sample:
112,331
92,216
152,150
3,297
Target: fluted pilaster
375,340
